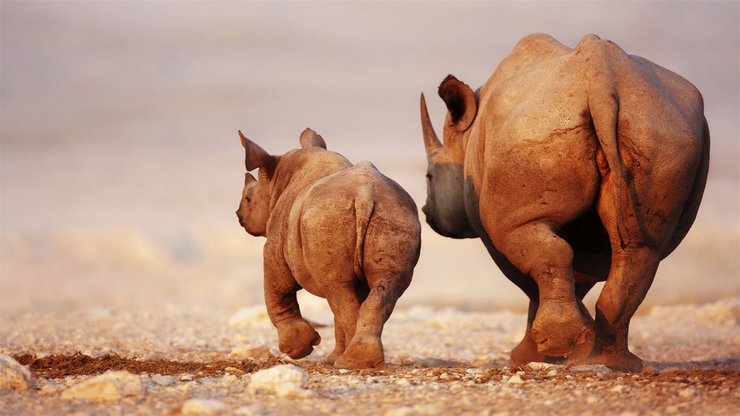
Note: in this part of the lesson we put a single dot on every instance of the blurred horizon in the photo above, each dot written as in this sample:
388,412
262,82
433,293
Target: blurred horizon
121,167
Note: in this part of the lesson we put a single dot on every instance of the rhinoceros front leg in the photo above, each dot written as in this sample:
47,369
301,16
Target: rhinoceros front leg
526,352
560,328
296,336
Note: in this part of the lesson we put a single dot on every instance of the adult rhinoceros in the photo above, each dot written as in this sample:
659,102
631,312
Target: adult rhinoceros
573,166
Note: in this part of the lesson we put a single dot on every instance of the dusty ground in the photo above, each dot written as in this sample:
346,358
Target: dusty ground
441,361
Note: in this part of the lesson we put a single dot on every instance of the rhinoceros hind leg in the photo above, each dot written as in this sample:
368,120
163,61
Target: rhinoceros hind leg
632,273
344,303
363,352
365,349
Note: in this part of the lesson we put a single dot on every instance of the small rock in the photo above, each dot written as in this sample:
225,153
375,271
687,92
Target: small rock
186,377
590,368
539,365
552,372
687,392
617,389
515,379
403,382
202,407
591,399
284,380
163,380
111,385
13,375
400,411
253,315
250,351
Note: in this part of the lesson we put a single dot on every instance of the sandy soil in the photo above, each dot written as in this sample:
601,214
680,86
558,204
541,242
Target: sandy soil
440,361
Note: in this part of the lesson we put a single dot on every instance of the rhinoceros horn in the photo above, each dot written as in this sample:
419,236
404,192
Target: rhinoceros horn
256,157
431,142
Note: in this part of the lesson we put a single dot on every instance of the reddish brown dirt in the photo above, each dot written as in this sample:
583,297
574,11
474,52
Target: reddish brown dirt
59,366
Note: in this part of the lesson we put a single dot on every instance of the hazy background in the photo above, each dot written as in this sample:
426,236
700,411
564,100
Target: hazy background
121,168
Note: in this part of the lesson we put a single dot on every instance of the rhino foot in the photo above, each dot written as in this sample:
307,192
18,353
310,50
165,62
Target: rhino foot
362,352
297,338
616,360
561,330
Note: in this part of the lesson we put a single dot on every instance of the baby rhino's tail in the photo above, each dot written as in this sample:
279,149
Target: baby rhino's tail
364,206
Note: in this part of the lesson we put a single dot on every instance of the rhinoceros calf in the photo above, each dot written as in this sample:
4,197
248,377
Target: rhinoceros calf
342,232
573,166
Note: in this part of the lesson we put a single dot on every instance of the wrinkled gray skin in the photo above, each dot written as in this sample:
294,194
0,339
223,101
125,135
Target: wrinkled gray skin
342,232
573,166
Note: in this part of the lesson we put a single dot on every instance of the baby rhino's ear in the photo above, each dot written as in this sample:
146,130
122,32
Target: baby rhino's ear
256,157
310,138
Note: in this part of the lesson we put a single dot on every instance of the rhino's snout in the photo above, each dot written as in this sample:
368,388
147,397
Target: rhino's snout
425,210
239,217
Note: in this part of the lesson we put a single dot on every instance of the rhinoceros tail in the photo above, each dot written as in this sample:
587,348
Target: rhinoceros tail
364,207
603,104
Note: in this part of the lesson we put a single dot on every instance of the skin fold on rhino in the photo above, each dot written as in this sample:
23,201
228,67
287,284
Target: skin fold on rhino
573,166
343,232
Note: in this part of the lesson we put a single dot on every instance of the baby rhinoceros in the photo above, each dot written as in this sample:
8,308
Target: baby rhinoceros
342,232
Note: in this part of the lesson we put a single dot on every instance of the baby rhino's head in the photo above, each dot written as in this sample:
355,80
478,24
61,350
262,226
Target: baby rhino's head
253,211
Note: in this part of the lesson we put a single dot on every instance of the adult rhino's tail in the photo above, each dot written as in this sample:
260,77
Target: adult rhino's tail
604,108
364,207
603,103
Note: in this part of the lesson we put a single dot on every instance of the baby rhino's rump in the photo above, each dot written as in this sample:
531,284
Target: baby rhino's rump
356,222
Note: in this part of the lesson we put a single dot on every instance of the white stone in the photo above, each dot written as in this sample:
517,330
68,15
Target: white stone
202,407
535,365
112,385
13,375
284,380
254,352
252,315
400,411
590,368
163,380
515,379
687,392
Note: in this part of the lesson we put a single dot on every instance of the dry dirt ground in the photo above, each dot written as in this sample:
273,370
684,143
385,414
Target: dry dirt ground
440,361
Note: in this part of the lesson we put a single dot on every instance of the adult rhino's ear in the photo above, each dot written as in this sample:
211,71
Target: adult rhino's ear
460,101
256,157
310,138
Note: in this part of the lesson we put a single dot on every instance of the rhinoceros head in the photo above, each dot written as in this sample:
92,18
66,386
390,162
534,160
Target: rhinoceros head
254,207
445,205
258,193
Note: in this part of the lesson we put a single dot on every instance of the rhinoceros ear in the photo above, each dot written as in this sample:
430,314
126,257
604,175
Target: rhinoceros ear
256,157
460,101
310,138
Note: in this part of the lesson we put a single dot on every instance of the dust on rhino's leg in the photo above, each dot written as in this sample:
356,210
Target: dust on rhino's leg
559,327
296,336
365,349
631,275
343,302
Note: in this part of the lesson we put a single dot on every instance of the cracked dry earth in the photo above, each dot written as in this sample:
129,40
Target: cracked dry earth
440,361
